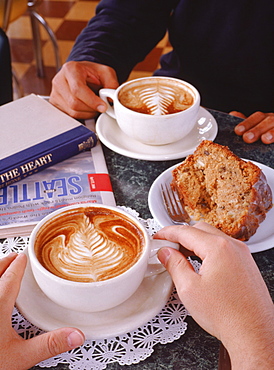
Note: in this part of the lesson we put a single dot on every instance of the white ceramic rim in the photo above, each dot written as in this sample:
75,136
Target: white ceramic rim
34,260
194,91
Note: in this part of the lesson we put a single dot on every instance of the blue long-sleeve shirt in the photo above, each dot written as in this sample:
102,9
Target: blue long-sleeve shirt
224,48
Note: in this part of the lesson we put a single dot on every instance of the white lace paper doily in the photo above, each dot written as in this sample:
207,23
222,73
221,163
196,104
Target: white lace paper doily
126,349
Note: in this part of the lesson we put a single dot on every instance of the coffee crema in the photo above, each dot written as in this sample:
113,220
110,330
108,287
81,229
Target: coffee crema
89,244
156,97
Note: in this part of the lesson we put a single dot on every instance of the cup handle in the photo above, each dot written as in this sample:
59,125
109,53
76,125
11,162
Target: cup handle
154,265
104,95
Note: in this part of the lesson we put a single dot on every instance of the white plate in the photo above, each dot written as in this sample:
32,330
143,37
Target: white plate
140,308
110,134
262,240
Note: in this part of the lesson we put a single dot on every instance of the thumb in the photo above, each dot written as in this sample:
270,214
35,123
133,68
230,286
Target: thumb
50,344
180,269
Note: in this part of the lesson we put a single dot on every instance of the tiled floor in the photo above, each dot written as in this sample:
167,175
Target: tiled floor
66,18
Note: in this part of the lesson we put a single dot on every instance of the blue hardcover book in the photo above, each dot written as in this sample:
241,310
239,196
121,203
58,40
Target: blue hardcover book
35,135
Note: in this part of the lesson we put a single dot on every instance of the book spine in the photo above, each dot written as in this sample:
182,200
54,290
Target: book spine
43,159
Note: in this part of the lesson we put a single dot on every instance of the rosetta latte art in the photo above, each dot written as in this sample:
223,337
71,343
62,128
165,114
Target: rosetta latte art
88,251
156,98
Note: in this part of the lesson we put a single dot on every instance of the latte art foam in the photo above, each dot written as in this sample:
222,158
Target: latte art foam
156,97
89,247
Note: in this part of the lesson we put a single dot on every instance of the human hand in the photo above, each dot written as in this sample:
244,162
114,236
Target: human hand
15,352
228,297
74,88
257,126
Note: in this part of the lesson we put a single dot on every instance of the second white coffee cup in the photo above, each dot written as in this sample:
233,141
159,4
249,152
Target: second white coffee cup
158,96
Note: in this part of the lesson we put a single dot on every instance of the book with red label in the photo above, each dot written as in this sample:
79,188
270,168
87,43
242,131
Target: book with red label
83,178
36,135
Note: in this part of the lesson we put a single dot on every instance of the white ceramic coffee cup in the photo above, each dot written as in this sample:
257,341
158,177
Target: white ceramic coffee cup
153,129
101,295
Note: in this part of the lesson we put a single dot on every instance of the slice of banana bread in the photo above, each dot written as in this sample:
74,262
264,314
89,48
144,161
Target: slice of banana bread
223,190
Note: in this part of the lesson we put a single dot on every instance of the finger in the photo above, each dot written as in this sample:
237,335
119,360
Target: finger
82,98
70,104
268,137
249,122
82,76
75,87
77,95
6,261
109,78
47,345
179,268
194,239
76,112
261,127
10,282
237,114
71,94
210,229
73,107
186,252
198,225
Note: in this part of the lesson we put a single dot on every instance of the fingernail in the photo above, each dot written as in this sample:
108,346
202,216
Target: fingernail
240,128
13,254
268,136
75,339
163,255
101,108
249,136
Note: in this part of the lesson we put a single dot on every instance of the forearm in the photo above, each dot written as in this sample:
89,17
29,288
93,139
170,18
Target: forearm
261,357
254,350
110,38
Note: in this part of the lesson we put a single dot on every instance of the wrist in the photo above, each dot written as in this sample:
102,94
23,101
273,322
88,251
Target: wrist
253,350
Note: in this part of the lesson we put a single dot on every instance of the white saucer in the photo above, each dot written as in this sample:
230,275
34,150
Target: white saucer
140,308
262,240
110,134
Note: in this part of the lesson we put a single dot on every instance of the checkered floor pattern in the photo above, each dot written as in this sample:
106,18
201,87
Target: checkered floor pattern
66,18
